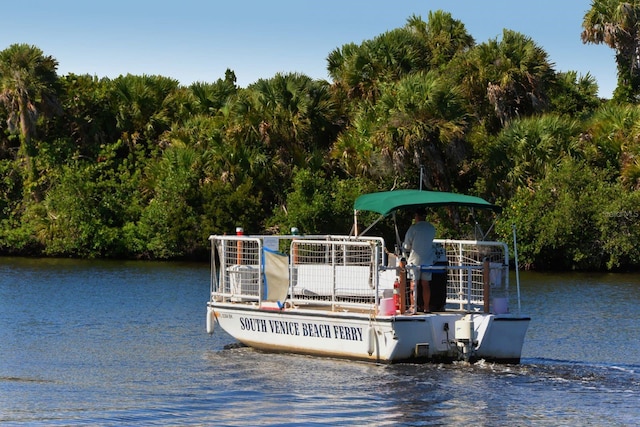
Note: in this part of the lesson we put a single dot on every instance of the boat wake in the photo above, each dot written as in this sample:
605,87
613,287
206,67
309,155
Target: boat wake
234,345
23,380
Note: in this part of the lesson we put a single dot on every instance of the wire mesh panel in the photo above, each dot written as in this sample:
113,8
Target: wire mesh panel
323,269
240,268
466,274
334,270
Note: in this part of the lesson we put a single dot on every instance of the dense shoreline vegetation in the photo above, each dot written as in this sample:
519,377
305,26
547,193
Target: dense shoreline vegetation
142,167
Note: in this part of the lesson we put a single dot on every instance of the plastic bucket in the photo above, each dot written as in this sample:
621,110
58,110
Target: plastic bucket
500,305
387,307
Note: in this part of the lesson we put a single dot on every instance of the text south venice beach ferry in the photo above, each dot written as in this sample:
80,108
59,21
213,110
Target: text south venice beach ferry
312,330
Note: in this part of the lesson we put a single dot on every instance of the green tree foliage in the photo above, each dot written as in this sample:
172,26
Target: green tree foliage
145,107
558,221
27,85
227,206
504,79
405,114
528,150
169,224
360,71
14,237
443,36
27,88
88,122
297,116
211,97
573,95
87,208
615,23
142,167
619,226
319,205
612,141
279,123
420,121
67,223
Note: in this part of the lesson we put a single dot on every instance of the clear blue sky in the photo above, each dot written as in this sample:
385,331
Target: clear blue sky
197,40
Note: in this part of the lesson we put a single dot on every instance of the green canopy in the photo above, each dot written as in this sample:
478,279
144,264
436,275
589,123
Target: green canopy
388,201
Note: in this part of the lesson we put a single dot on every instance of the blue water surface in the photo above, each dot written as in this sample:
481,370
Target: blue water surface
124,343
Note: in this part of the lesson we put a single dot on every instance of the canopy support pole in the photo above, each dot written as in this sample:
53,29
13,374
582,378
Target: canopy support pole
515,254
371,226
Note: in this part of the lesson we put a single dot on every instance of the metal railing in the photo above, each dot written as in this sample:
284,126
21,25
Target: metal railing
466,275
326,270
335,271
350,272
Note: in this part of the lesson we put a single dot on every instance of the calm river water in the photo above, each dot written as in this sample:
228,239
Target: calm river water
124,343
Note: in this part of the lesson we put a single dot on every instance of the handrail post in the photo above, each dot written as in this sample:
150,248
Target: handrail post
239,232
332,245
224,281
469,286
515,253
486,289
402,273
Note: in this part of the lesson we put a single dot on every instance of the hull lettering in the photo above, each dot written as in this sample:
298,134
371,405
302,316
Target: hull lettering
283,327
349,333
249,324
311,330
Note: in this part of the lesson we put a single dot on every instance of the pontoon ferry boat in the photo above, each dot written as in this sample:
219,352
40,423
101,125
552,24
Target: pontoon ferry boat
347,297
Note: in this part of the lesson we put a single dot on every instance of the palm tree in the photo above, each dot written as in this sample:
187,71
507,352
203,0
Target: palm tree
359,72
27,87
444,37
419,121
527,150
616,23
297,115
574,95
505,79
210,97
613,137
353,149
146,106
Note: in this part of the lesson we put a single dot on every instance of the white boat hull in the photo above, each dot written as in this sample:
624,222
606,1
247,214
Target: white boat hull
361,336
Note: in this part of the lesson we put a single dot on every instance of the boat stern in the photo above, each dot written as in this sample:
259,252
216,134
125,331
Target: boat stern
499,338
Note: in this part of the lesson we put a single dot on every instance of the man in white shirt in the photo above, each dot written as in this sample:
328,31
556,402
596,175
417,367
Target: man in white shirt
418,242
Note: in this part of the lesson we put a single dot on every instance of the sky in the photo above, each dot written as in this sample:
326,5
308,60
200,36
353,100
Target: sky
197,40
